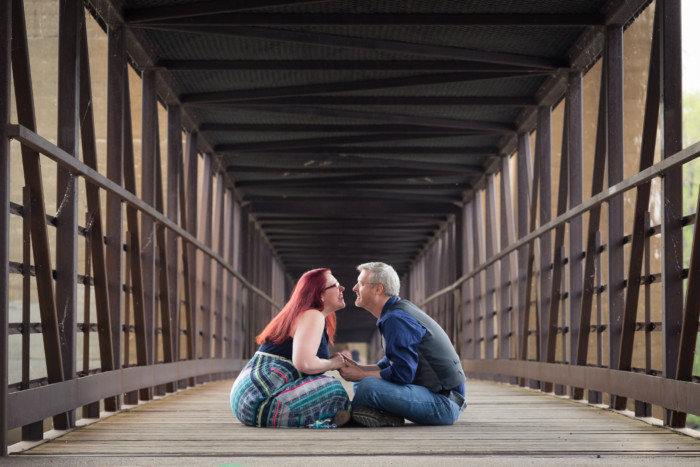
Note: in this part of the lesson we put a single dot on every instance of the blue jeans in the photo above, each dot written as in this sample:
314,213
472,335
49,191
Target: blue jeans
415,403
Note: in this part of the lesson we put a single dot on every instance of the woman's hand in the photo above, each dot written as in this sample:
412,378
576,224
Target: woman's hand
337,361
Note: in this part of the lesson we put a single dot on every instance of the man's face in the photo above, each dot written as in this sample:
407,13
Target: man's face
363,289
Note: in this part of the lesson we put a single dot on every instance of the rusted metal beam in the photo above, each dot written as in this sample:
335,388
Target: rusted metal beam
93,226
672,191
69,19
544,154
238,317
639,237
524,171
188,221
557,284
467,291
147,239
490,242
116,72
33,179
204,265
229,310
477,294
593,226
218,240
616,228
574,99
691,312
5,95
33,431
509,267
167,261
534,193
170,284
144,334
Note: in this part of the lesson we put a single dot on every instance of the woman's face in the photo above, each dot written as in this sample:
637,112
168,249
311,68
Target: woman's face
332,294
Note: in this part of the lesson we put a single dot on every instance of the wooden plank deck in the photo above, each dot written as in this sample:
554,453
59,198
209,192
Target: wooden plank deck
503,425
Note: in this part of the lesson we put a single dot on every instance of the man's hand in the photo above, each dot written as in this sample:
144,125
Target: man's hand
352,371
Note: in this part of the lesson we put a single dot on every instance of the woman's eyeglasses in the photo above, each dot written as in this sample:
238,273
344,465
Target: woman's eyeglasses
337,284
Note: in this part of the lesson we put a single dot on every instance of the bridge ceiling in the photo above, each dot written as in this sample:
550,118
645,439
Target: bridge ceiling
354,129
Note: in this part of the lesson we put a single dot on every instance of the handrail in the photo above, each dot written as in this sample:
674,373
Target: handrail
53,152
646,175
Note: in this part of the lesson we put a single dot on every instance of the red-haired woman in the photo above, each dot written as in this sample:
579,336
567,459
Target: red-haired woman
283,385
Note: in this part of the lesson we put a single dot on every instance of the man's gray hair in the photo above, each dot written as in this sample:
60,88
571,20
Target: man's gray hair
384,274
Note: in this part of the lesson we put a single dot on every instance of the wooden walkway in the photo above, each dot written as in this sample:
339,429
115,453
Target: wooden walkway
503,425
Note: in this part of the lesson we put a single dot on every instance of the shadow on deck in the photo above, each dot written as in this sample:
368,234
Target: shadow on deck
503,425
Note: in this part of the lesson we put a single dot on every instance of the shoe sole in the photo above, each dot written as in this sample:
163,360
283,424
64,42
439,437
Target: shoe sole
373,418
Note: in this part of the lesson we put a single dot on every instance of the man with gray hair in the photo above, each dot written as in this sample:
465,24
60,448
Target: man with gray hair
420,377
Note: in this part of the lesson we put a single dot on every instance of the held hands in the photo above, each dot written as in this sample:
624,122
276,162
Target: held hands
339,360
351,371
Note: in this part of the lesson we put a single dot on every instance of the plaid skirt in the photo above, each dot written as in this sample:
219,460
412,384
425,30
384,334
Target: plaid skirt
271,392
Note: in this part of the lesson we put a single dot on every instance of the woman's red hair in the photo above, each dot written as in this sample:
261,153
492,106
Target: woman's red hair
305,296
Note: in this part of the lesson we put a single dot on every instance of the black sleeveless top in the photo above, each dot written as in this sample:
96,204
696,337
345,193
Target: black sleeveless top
285,348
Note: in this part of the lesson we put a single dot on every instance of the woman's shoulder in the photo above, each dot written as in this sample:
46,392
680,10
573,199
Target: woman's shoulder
311,316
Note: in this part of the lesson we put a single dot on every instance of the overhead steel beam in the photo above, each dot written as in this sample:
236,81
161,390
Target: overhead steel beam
355,101
308,90
201,8
542,63
305,143
337,65
341,151
491,127
381,19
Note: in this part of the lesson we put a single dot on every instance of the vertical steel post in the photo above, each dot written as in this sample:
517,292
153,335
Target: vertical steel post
467,292
189,207
116,69
544,154
557,284
477,310
172,199
509,265
24,96
5,89
218,246
148,195
575,148
616,226
229,283
95,230
589,269
67,187
169,320
524,165
205,263
238,335
639,237
490,242
672,191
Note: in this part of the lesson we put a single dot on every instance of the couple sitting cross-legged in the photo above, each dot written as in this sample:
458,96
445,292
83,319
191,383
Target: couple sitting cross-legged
420,377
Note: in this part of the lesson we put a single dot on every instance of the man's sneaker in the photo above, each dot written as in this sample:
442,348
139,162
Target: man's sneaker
373,418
